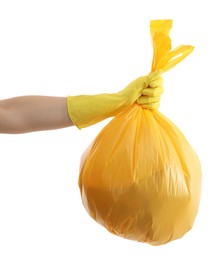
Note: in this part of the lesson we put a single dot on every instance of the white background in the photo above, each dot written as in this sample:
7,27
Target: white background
62,48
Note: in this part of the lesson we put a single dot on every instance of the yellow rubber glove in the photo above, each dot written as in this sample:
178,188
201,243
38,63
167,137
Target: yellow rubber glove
150,98
86,110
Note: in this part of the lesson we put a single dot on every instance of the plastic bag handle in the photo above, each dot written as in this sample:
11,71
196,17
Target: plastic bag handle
163,57
173,57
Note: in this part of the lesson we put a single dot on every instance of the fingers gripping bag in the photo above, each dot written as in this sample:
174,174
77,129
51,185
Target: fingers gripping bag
140,178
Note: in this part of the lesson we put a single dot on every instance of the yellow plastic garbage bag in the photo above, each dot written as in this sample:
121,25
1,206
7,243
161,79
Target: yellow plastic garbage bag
140,178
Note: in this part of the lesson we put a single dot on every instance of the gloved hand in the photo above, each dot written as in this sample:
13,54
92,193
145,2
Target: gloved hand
86,110
150,98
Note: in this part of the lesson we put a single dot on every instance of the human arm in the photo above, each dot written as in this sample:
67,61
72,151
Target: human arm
33,113
37,113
